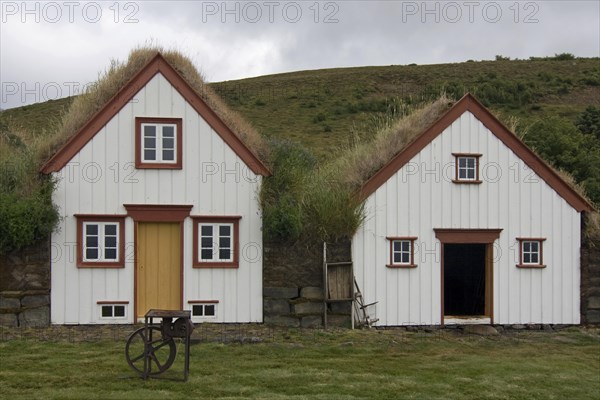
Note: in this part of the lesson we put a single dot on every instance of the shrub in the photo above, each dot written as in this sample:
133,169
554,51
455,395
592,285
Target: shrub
564,56
27,214
589,121
282,193
559,142
302,203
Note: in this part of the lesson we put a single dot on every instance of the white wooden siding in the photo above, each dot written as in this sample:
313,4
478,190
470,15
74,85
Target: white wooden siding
213,179
421,197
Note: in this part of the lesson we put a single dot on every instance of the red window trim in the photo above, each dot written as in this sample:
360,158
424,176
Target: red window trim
456,179
139,164
81,218
108,303
412,251
235,220
541,261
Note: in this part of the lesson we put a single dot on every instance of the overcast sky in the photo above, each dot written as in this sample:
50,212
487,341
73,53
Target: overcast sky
50,49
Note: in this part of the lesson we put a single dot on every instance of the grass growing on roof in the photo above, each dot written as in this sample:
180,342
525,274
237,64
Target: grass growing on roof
357,163
119,73
320,203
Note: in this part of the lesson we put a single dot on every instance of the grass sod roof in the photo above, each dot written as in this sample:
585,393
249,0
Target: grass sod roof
356,164
119,74
359,162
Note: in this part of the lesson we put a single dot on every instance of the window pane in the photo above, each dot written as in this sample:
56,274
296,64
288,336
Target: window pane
119,311
168,143
206,254
168,131
107,311
405,246
149,131
110,229
206,230
91,254
206,242
534,258
197,310
110,241
405,258
225,230
527,258
224,254
527,246
471,174
471,162
397,258
224,242
149,155
150,143
91,229
91,241
462,162
397,245
209,310
534,247
110,254
168,155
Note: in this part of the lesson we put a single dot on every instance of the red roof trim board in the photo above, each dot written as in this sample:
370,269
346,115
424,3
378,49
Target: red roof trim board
469,103
156,65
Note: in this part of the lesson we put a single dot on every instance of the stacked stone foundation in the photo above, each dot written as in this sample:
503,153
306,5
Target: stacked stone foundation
25,287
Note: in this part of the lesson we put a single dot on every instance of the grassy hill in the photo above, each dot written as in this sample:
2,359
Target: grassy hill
325,109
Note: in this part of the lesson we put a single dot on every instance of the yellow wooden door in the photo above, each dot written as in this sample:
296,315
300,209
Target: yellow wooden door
158,267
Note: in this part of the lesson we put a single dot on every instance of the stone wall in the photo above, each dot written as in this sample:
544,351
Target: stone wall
25,286
293,284
590,282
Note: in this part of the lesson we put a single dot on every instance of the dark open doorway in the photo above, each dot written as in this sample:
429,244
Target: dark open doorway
465,279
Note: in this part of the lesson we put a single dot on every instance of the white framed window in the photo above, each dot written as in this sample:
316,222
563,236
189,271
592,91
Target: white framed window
158,143
112,311
402,252
204,310
531,253
466,168
216,242
100,241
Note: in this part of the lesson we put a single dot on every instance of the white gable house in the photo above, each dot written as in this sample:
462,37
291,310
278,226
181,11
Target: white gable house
159,206
468,225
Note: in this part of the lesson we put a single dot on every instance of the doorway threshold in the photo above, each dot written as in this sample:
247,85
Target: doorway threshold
467,320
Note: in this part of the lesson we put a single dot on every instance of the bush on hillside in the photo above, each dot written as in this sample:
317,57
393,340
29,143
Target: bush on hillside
563,145
27,214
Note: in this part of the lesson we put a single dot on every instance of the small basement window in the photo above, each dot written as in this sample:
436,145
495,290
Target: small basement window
466,168
402,252
158,143
531,252
118,310
204,309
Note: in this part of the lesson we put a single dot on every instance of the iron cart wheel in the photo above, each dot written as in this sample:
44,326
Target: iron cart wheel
160,352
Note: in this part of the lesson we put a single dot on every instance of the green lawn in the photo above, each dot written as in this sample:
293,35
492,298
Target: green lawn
313,364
